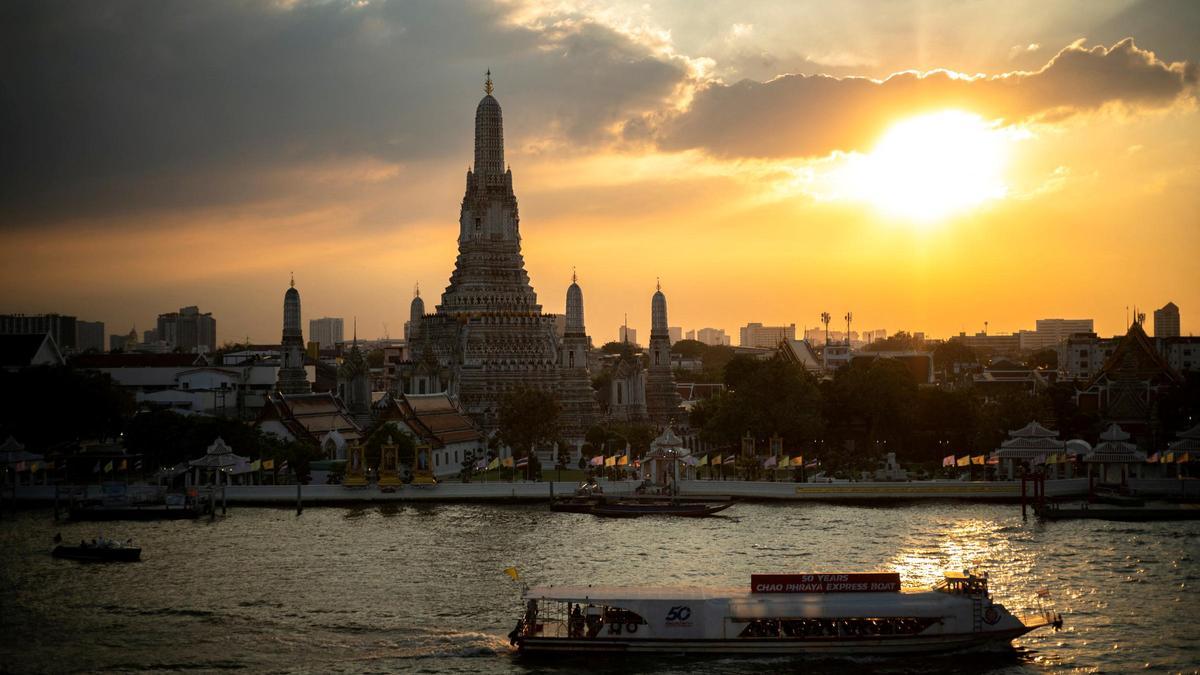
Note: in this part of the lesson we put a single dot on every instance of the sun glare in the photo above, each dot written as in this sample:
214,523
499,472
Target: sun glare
926,168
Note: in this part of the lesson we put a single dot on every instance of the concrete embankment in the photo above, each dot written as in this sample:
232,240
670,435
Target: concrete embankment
315,495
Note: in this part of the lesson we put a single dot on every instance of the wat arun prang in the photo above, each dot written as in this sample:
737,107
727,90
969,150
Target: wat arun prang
488,336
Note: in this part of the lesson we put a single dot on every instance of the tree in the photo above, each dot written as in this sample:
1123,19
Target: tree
690,349
770,397
620,348
375,358
56,407
528,418
902,341
952,352
1043,358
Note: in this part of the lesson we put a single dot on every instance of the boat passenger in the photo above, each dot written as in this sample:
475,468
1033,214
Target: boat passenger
575,623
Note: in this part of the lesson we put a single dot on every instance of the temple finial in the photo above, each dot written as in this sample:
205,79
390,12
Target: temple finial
487,85
417,290
657,283
293,279
574,278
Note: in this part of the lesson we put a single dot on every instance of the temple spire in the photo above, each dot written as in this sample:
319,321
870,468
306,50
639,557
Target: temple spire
574,278
487,85
293,275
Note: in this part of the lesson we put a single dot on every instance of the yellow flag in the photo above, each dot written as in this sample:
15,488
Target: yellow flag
508,461
108,467
494,464
703,461
268,464
124,464
785,460
798,460
512,572
979,459
623,461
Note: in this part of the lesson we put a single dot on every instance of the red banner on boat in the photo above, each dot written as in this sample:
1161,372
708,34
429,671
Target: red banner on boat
873,582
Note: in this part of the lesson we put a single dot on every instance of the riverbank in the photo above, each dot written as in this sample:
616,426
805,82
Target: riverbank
524,491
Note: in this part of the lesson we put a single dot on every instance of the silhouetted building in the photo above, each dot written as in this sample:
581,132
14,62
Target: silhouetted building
188,330
1166,321
89,335
292,379
59,326
766,337
326,331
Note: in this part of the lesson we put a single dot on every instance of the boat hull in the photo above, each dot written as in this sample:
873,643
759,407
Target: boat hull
882,646
123,554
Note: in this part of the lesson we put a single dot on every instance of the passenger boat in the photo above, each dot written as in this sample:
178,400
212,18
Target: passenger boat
632,508
824,614
103,550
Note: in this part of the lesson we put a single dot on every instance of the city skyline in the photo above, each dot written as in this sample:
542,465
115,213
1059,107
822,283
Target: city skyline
621,172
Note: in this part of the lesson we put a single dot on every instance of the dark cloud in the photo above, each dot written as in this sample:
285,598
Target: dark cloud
813,115
101,102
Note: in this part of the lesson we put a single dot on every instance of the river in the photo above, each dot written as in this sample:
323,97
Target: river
420,588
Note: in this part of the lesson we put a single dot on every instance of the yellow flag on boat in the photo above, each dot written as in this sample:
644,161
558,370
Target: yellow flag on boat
268,464
512,572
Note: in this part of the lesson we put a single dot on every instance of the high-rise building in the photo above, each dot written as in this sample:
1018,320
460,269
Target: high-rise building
326,331
627,334
89,336
1061,329
59,326
766,337
713,337
1166,321
675,333
188,330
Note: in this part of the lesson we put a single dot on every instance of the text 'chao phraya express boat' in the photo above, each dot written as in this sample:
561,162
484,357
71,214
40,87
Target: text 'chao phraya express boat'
831,614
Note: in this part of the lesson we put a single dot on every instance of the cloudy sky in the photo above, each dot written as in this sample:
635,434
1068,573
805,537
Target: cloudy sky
927,165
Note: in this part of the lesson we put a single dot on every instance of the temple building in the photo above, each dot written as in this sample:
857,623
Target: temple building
488,336
662,399
292,378
354,383
577,399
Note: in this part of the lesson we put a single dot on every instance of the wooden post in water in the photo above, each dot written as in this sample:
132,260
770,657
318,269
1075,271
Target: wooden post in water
1023,495
299,503
212,503
224,488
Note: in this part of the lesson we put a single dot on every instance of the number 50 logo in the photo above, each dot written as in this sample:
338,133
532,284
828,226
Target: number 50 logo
679,613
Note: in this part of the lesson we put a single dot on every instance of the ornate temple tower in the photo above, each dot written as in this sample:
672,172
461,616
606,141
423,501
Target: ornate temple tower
416,310
580,409
291,378
662,399
488,334
354,383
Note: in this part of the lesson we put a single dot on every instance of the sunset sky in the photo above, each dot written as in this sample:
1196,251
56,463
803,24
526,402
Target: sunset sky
926,165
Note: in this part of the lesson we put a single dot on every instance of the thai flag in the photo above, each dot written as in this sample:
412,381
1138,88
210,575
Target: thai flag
523,462
731,459
812,464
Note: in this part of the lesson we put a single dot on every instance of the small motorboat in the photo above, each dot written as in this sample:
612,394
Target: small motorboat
103,550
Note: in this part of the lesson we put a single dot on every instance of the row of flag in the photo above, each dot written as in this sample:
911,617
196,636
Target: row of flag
969,460
1170,458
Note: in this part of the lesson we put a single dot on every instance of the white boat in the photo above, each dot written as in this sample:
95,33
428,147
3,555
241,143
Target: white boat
831,614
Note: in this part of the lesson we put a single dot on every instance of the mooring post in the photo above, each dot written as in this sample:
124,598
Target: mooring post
299,503
224,488
212,504
1023,497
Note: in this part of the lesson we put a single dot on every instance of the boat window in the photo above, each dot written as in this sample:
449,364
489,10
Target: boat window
834,627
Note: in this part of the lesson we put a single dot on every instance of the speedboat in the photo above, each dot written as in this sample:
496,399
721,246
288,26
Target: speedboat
100,550
825,614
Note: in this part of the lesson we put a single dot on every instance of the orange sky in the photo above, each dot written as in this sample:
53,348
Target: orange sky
695,146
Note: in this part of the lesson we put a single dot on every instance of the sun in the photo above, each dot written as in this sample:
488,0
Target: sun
925,169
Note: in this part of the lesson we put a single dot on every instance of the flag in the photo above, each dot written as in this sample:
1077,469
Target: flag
33,468
20,467
137,465
108,467
1040,459
268,464
965,460
993,459
731,459
1152,459
690,460
1183,458
785,460
1168,458
610,461
948,460
812,464
598,460
523,462
508,462
494,464
770,462
283,466
512,572
124,464
256,465
703,461
624,461
979,460
798,460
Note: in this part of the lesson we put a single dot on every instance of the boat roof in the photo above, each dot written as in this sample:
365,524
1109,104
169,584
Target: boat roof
616,593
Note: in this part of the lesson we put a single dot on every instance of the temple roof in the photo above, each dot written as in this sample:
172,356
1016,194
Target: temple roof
433,417
1033,430
1135,358
311,416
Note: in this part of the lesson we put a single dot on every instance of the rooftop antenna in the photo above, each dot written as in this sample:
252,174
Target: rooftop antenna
625,332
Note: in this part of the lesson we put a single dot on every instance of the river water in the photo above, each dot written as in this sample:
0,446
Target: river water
421,589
